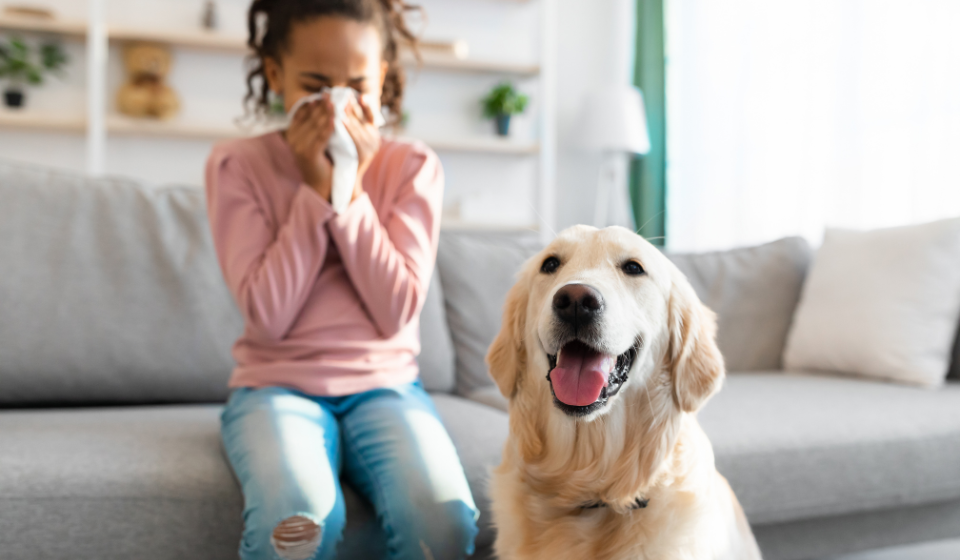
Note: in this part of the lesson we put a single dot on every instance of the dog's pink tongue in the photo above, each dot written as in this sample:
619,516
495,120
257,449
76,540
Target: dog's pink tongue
580,375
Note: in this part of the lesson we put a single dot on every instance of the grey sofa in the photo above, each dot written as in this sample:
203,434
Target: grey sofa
115,331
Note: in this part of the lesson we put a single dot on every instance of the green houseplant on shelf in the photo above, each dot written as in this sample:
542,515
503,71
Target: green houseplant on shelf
501,103
21,67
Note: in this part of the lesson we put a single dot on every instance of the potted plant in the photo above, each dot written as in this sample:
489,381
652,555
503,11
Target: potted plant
501,103
18,67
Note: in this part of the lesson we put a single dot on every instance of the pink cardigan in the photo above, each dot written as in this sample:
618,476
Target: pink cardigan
331,302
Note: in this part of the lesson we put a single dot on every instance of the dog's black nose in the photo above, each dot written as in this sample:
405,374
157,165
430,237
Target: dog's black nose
577,304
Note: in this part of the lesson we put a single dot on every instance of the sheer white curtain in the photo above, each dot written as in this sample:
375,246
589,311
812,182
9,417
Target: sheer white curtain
786,116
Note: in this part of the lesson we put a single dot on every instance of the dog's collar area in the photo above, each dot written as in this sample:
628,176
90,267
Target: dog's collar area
640,503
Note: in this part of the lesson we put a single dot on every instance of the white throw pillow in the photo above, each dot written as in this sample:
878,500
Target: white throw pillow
881,304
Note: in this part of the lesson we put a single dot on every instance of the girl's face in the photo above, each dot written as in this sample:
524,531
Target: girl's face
329,51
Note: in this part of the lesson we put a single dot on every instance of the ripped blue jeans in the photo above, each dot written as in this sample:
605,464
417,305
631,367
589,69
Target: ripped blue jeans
287,450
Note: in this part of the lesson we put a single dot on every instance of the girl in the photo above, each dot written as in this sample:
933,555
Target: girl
326,377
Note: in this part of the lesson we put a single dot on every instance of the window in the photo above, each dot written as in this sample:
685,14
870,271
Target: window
787,116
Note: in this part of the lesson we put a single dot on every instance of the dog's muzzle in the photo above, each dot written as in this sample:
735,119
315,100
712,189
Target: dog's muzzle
582,377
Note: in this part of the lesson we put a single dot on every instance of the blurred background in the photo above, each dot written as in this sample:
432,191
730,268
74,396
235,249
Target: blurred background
759,119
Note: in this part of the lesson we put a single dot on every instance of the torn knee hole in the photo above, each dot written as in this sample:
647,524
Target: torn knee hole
296,538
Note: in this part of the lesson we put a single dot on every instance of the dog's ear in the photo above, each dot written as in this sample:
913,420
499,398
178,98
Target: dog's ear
507,355
695,360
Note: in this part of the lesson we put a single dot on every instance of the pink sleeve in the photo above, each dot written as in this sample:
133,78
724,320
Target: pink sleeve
270,270
390,264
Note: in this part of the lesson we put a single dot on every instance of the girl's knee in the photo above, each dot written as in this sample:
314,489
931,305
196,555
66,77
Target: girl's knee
296,538
448,532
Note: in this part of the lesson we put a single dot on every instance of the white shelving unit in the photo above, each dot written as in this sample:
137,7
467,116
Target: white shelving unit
98,123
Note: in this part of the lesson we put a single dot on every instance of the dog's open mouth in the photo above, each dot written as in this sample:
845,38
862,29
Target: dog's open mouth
583,379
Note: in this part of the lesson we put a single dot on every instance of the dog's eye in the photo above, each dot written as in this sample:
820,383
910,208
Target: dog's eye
550,265
632,268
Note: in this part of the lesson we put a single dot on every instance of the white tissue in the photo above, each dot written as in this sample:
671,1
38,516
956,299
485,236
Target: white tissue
342,149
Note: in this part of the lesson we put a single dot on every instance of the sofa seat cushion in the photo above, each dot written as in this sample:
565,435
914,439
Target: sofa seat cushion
146,482
153,483
798,446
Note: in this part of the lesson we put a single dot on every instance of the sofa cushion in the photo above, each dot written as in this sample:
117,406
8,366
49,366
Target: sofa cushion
113,483
152,482
110,292
797,446
754,292
436,359
882,303
477,269
490,396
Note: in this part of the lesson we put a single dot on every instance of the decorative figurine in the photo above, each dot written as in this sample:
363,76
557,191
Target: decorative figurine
146,94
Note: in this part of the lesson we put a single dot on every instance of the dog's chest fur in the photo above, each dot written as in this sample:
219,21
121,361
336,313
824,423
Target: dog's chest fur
666,531
681,520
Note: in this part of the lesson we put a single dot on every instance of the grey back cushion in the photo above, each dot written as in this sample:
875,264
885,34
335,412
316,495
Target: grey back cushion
110,292
436,359
754,292
477,269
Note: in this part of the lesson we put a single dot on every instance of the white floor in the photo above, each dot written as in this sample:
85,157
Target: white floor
941,550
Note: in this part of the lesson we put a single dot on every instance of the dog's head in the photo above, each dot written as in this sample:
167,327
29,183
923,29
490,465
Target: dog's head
598,316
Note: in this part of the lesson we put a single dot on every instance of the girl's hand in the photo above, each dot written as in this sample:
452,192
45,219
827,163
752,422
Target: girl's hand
366,136
308,135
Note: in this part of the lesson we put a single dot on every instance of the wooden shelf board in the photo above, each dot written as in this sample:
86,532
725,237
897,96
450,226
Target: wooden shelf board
122,125
197,39
211,40
39,25
482,144
127,126
452,224
442,62
27,120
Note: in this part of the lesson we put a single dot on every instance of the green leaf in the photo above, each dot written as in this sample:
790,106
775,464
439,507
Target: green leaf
53,56
503,100
34,77
17,61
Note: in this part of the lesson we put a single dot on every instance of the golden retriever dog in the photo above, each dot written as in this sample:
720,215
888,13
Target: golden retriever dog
605,355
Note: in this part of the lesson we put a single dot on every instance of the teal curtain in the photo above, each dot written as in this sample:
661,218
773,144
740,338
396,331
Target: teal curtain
648,172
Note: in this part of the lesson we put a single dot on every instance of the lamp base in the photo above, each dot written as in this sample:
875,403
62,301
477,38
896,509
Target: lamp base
612,206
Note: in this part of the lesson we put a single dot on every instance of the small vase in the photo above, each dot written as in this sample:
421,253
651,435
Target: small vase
210,20
13,98
503,125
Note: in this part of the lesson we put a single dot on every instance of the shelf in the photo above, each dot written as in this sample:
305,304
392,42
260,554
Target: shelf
452,224
442,62
212,40
482,144
178,128
175,128
40,25
37,121
195,39
120,125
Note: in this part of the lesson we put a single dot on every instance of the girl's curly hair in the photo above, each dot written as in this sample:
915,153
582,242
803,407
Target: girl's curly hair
269,23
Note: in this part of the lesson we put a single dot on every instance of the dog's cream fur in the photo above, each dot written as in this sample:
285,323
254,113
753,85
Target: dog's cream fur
646,441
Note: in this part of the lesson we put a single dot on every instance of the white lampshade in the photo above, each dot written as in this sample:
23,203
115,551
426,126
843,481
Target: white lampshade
613,119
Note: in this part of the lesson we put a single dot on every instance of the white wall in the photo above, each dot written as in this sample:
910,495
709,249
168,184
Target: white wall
491,187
